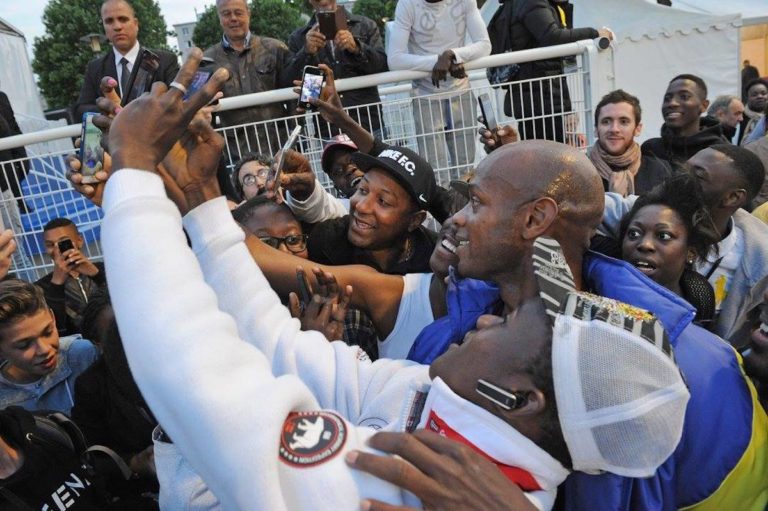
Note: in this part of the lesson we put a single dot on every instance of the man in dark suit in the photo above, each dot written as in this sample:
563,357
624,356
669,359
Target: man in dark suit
122,28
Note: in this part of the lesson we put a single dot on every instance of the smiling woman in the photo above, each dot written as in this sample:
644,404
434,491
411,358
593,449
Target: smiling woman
664,233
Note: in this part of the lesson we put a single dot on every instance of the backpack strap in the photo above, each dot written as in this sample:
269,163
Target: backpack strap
119,463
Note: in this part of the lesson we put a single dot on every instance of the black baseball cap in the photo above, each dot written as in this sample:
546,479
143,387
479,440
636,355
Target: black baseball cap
412,171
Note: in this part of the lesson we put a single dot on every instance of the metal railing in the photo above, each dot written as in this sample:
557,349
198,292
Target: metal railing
442,127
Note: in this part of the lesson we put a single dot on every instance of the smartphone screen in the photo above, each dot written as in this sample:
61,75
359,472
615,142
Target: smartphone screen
277,169
91,152
200,79
311,85
486,109
142,76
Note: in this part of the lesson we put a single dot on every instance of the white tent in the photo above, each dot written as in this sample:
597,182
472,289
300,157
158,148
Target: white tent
18,82
16,78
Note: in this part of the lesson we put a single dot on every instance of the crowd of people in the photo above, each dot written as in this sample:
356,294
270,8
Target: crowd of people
587,330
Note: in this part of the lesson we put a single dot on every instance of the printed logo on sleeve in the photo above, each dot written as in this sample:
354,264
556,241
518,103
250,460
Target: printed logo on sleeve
311,438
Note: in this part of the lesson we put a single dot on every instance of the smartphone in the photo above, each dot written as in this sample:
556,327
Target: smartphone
305,290
201,77
143,74
312,82
486,109
277,169
91,152
65,245
330,22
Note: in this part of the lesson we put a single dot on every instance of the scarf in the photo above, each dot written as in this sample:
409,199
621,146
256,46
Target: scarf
618,171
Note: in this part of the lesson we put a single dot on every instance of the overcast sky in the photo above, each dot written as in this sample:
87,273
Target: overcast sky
17,13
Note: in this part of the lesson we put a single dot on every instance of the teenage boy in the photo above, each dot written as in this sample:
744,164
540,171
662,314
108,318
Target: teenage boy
684,132
39,369
74,277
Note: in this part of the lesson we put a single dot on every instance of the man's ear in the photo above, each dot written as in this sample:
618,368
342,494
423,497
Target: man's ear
79,241
535,404
735,198
416,220
541,214
704,105
638,129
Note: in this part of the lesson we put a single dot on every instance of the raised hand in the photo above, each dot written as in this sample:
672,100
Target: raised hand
314,41
7,248
500,136
327,308
191,165
145,130
346,41
297,176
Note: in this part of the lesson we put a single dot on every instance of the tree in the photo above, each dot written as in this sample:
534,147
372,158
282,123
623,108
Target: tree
269,18
379,11
60,56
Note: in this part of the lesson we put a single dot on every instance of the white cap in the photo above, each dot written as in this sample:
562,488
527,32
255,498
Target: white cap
620,396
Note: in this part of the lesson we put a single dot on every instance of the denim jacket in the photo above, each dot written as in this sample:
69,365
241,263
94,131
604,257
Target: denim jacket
56,390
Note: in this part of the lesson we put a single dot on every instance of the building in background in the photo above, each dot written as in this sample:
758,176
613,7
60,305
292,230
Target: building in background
184,33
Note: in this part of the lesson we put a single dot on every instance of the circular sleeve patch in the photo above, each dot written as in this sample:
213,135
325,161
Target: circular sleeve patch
311,438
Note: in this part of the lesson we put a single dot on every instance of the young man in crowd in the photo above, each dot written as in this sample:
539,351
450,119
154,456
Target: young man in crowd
250,175
383,228
616,155
356,50
122,29
512,418
729,111
431,36
74,277
256,64
39,369
757,102
684,132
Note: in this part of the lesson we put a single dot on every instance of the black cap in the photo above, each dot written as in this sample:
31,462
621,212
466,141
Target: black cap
412,171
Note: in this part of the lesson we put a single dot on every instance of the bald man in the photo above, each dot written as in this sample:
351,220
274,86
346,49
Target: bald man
122,29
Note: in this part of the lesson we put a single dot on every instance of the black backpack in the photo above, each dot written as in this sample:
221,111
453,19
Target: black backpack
55,429
500,34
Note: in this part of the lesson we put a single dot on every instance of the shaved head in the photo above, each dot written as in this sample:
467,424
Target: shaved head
553,170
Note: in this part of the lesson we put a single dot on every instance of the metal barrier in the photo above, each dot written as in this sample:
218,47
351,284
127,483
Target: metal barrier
442,127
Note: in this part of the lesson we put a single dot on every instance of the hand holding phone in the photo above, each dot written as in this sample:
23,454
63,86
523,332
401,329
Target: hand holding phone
91,152
312,82
65,246
305,288
276,172
487,111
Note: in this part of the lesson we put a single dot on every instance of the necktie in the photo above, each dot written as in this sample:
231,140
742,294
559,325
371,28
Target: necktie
125,75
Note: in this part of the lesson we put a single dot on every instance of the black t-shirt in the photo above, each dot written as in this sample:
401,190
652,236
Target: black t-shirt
328,244
51,478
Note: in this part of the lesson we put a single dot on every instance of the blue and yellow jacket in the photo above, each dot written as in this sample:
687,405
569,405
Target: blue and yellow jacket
721,462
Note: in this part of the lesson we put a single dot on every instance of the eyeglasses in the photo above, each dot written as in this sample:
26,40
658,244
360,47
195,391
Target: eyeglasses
295,242
502,397
251,179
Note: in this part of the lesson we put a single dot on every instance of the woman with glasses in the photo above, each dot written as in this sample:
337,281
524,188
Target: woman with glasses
274,224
